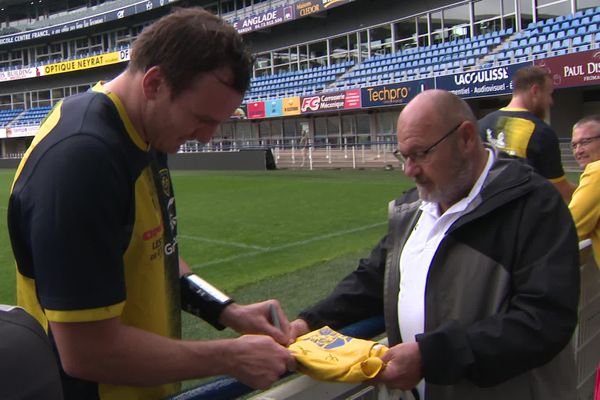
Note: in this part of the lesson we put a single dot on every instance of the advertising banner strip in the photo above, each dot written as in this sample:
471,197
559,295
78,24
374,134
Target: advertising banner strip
306,8
332,101
575,69
480,83
15,74
256,110
352,99
291,105
273,108
394,93
240,113
281,14
21,131
85,63
334,3
265,19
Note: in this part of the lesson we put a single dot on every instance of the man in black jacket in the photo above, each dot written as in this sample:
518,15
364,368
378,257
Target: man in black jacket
478,276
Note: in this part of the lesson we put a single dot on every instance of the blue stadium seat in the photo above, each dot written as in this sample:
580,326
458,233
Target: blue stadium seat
537,49
546,47
560,44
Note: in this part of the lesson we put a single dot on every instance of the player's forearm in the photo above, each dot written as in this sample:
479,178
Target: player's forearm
139,358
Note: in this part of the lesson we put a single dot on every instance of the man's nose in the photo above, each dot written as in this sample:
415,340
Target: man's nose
410,168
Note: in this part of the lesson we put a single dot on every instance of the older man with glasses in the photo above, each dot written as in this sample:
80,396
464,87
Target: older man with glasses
478,275
585,205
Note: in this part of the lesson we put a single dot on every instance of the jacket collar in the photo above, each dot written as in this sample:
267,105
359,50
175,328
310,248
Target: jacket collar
508,179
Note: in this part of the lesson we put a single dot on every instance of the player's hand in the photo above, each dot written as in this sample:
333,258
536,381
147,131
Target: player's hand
258,318
403,367
258,361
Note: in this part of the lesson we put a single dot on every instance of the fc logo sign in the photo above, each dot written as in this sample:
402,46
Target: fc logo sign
310,103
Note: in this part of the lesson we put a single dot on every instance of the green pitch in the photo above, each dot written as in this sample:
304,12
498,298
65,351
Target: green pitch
238,229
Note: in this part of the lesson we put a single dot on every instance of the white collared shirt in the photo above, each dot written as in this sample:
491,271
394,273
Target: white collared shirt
417,255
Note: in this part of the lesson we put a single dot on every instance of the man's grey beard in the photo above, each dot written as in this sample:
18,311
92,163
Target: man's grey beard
453,191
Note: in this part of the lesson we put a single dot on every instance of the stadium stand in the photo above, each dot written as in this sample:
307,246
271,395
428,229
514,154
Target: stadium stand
61,49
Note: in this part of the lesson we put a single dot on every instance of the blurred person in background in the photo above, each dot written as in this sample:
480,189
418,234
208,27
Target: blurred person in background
585,205
519,128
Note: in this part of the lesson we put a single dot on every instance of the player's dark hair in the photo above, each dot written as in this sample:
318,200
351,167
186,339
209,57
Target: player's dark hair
190,42
526,77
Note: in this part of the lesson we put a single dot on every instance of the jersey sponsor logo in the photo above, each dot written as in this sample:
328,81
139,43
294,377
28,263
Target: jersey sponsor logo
172,215
496,141
171,247
327,338
151,233
165,181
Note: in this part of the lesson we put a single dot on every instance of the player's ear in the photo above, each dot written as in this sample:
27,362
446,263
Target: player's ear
153,82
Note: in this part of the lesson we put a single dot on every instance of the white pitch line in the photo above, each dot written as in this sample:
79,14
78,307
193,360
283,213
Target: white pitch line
223,242
289,245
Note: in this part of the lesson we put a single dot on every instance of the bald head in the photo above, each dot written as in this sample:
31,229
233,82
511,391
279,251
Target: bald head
436,108
440,143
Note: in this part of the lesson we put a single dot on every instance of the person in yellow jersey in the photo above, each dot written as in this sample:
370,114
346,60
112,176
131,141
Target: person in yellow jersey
585,204
478,287
93,224
519,128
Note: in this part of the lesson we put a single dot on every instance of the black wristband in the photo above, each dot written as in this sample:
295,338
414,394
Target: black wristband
203,300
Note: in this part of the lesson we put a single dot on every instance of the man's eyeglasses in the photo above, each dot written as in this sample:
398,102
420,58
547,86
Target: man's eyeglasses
421,156
584,142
